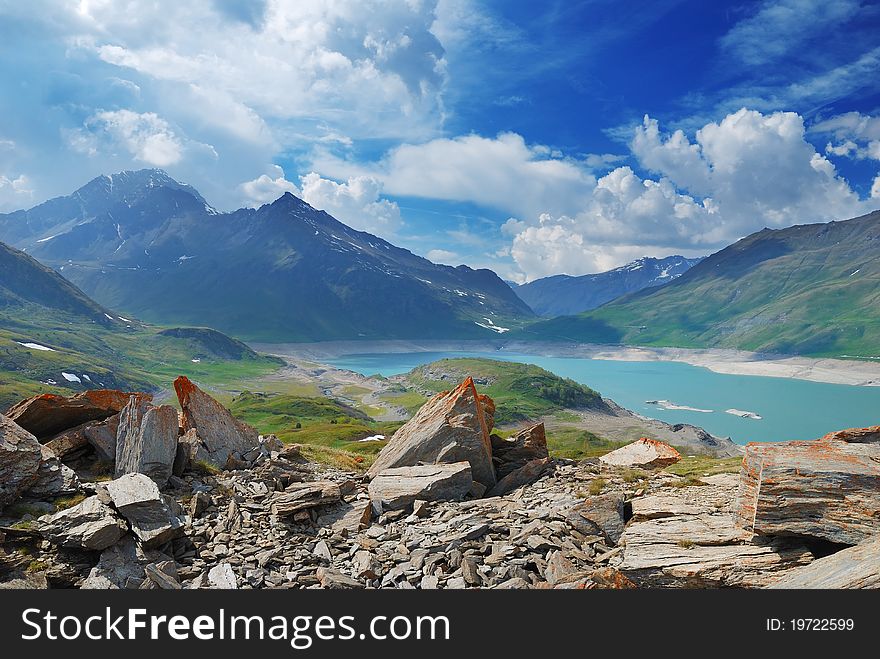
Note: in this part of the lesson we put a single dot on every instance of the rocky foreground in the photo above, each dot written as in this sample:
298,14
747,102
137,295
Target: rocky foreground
107,490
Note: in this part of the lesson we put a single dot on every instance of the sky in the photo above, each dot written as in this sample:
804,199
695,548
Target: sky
532,138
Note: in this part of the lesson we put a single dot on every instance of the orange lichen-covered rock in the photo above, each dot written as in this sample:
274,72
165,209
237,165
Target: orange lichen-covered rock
453,426
47,415
644,454
827,488
221,436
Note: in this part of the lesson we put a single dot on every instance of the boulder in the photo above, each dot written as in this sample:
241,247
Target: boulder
827,488
525,475
855,435
642,454
146,442
854,567
599,515
688,538
91,524
154,519
187,452
302,496
20,458
47,415
348,517
101,435
222,436
54,478
399,487
451,427
512,453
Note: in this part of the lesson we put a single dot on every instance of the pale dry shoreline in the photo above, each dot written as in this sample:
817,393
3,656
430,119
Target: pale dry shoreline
734,362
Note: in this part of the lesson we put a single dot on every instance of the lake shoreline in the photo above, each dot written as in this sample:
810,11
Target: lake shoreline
726,361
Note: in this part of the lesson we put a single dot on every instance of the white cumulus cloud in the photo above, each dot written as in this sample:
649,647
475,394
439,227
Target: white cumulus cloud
356,202
266,188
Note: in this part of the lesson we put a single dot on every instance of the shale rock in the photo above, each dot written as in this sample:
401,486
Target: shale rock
222,436
69,443
827,488
602,514
525,475
855,567
122,566
451,427
54,478
47,415
19,460
303,496
146,441
399,487
90,524
101,435
154,518
644,454
513,453
688,538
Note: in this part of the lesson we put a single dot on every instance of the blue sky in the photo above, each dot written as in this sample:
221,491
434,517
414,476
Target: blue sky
532,138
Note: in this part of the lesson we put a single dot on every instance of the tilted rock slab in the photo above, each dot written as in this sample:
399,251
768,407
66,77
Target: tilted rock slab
154,519
688,538
222,436
826,488
101,435
512,453
302,496
20,457
854,567
146,440
451,427
47,415
399,487
90,524
524,475
121,566
643,454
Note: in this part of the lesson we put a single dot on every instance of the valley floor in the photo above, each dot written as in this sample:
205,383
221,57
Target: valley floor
856,371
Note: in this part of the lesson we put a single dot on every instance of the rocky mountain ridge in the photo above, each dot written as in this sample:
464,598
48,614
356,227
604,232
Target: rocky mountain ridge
289,272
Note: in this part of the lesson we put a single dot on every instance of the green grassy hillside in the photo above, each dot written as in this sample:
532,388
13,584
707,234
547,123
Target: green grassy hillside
811,290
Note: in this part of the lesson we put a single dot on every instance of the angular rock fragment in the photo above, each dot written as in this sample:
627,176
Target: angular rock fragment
122,566
512,453
451,427
599,515
827,488
222,436
688,538
525,475
643,454
854,567
54,478
163,575
90,525
155,519
146,440
302,496
47,415
222,577
349,517
101,435
20,457
69,444
330,578
399,487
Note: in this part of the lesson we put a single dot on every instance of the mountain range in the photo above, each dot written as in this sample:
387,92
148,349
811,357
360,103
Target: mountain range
53,337
564,295
149,246
807,289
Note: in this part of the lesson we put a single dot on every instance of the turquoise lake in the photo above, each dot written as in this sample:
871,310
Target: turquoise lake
791,409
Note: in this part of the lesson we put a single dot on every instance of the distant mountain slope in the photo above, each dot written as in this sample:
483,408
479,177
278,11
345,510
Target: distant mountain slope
145,244
564,295
810,289
54,338
24,280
